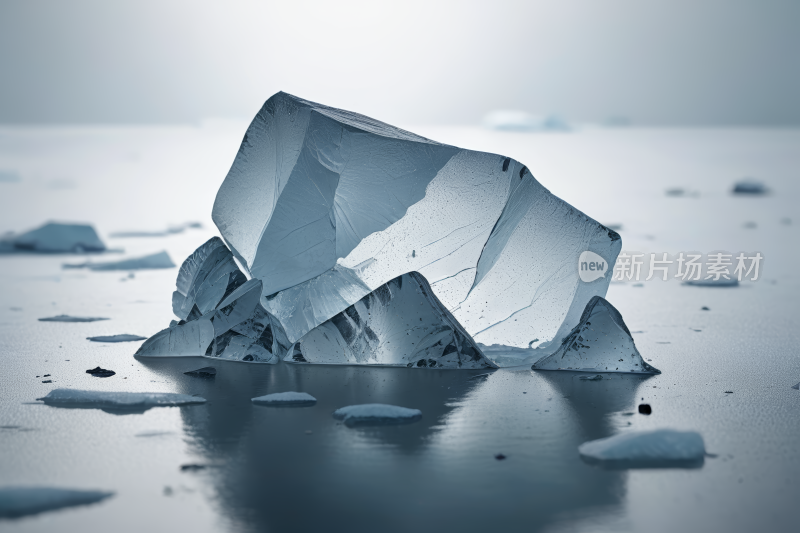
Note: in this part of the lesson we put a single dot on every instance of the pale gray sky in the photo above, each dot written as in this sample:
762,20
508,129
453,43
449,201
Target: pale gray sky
695,62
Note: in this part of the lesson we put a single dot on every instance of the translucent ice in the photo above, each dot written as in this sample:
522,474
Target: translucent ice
122,337
16,502
324,206
57,238
646,448
600,342
376,414
221,314
68,318
117,400
152,261
401,323
288,399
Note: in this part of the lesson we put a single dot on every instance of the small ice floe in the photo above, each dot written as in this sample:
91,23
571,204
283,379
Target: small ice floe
285,399
55,238
16,502
749,186
120,401
205,372
122,337
646,449
68,318
601,342
100,372
796,387
376,414
676,191
721,282
148,262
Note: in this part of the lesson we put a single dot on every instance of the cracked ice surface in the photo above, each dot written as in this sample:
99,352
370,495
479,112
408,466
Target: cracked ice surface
401,323
601,342
314,190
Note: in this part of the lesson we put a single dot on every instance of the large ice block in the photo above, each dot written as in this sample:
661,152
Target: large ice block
316,190
401,323
601,342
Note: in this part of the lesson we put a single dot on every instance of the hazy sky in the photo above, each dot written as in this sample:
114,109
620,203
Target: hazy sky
698,62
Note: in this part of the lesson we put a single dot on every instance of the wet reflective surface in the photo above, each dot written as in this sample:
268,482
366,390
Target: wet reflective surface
262,468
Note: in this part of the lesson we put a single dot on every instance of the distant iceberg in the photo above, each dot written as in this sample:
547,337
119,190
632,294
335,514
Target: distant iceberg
117,400
511,120
152,261
16,502
55,237
376,414
749,186
68,318
122,337
286,399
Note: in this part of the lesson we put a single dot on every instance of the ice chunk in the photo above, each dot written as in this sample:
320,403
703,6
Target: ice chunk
796,387
205,372
374,414
749,186
117,400
152,261
54,237
122,337
314,190
646,448
721,282
281,399
401,323
600,342
16,502
68,318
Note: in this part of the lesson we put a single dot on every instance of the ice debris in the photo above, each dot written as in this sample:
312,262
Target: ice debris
54,237
205,372
749,186
401,323
16,502
117,400
147,262
324,206
68,318
711,282
288,399
376,414
600,342
122,337
100,372
220,311
646,448
796,387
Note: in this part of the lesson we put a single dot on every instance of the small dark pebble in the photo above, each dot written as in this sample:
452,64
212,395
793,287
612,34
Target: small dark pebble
192,468
100,372
645,409
205,372
728,392
47,381
704,308
46,376
499,456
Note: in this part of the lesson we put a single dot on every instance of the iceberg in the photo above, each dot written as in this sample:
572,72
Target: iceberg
376,414
401,323
54,237
600,342
285,399
325,206
68,318
663,447
117,400
122,337
749,186
152,261
16,502
220,311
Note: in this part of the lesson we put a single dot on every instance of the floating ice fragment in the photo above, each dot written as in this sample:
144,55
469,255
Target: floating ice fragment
288,399
376,414
54,237
796,387
172,230
324,206
122,337
663,447
600,342
16,502
101,372
117,400
152,261
749,186
598,377
205,372
721,282
68,318
401,323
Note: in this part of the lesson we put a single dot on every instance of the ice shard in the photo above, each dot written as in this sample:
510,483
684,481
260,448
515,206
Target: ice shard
401,323
330,205
220,311
600,342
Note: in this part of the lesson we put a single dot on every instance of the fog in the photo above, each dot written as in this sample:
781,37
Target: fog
716,63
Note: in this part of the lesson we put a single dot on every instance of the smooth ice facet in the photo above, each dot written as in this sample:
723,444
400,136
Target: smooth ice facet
314,190
600,342
663,445
401,323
